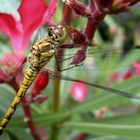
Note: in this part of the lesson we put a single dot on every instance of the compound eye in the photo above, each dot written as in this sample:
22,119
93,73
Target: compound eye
57,38
50,29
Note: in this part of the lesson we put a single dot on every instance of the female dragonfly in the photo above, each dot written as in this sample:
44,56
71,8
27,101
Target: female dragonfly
40,54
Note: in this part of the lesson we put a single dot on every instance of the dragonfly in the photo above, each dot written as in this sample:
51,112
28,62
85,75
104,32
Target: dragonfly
41,52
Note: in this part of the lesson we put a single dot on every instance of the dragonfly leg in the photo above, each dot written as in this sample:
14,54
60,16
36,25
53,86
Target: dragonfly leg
60,61
1,130
59,68
70,67
66,46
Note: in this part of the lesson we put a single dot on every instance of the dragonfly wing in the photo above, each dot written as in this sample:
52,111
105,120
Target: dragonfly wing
41,33
53,76
99,59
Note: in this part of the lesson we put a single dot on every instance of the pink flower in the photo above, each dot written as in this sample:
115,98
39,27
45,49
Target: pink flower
128,74
121,76
33,14
12,65
78,91
115,76
136,68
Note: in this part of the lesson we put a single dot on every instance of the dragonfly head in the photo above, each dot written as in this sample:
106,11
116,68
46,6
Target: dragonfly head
57,34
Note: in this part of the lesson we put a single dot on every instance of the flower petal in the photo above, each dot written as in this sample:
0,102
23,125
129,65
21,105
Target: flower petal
115,76
127,75
40,83
78,91
79,57
12,64
11,27
137,68
49,12
4,77
32,13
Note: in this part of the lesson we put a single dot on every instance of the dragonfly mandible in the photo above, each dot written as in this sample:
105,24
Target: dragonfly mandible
41,53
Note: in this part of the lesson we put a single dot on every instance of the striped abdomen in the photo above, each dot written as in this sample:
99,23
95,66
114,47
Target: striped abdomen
29,77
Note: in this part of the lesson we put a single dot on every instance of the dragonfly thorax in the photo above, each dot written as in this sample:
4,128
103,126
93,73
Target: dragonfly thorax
44,49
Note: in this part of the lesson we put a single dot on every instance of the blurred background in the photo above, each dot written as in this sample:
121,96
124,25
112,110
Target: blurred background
85,112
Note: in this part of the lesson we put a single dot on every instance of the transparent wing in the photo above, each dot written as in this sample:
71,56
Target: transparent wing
99,59
103,59
41,33
96,58
52,75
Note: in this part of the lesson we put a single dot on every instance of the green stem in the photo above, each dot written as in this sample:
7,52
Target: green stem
56,103
67,14
54,133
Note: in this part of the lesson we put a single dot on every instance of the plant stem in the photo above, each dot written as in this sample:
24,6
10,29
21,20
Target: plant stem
55,132
94,21
29,120
56,94
56,101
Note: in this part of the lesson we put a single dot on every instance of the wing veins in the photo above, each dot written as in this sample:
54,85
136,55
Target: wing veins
115,91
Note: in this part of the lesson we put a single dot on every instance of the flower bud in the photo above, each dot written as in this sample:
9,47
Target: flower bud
78,91
79,57
40,83
136,68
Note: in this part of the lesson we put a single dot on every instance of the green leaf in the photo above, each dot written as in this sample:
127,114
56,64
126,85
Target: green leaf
120,126
112,138
40,120
13,136
6,95
106,98
122,119
106,129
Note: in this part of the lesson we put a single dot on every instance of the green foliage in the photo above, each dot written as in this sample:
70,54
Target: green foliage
73,117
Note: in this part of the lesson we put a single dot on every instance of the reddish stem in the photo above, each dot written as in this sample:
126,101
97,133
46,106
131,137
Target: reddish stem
29,120
81,136
67,15
43,134
92,5
93,22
